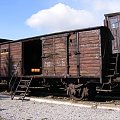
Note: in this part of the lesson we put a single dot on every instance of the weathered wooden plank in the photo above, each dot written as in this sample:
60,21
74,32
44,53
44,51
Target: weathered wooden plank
4,63
15,57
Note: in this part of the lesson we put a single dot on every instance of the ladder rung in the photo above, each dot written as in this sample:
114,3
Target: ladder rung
25,80
103,90
20,91
113,63
116,73
22,86
111,69
38,87
109,76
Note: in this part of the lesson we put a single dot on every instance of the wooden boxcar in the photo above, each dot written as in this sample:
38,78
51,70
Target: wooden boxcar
77,60
81,61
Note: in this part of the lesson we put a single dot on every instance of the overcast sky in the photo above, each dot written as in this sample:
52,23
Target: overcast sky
27,18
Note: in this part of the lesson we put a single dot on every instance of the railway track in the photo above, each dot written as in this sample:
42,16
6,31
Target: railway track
101,99
108,99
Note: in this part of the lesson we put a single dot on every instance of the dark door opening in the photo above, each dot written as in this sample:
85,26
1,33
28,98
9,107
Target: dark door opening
32,62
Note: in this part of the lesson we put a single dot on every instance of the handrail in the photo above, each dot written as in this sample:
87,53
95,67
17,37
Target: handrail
116,65
104,52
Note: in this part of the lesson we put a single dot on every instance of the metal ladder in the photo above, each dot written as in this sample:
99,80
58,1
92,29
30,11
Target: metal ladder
22,88
114,63
112,72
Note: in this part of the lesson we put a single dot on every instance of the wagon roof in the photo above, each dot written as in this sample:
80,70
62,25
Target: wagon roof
38,37
4,40
112,14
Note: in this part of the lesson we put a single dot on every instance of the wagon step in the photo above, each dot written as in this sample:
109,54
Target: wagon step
113,67
23,80
22,88
103,90
109,76
20,91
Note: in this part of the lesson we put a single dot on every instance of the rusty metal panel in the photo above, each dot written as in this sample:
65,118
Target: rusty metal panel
15,57
54,56
4,60
90,48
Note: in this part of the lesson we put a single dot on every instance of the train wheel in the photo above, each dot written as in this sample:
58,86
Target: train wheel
82,92
91,92
76,93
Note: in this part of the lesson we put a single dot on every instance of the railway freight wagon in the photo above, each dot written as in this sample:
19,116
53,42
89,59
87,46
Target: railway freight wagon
80,59
86,60
76,60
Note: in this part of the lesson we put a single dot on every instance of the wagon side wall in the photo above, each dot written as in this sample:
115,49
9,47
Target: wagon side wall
78,55
4,60
54,55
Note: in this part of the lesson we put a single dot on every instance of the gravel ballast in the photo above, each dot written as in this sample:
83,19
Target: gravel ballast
31,110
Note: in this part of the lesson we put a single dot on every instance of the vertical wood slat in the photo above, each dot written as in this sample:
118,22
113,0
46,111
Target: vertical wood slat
90,53
15,57
4,60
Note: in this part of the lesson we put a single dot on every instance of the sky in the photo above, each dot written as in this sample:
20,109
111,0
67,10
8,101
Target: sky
27,18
